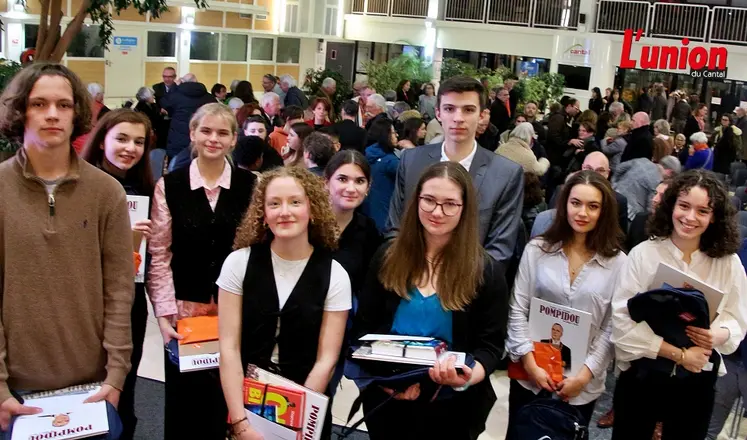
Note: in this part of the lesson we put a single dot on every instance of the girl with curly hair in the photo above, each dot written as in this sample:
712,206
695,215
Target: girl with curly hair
283,299
195,213
694,229
436,280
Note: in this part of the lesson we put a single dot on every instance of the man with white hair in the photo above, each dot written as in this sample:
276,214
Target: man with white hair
518,149
375,109
293,95
617,115
270,103
327,91
641,142
98,108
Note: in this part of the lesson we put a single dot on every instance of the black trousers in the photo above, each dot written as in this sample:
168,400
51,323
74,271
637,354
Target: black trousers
420,419
518,397
139,317
195,406
683,405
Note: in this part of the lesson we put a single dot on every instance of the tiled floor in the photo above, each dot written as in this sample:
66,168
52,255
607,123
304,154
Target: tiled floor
151,367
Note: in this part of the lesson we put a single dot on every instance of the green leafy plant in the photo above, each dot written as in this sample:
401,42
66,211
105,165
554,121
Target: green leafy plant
8,70
313,83
387,76
51,44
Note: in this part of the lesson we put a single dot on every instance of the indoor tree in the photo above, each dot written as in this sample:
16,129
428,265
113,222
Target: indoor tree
51,44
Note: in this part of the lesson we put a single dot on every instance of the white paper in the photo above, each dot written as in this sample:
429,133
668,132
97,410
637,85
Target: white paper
377,337
677,279
270,430
138,208
364,353
199,362
63,417
573,326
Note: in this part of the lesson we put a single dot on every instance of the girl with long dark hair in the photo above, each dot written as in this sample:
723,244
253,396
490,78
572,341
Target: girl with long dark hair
436,280
118,145
570,265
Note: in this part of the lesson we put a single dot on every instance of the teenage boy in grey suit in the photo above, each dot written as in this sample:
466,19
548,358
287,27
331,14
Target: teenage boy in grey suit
499,181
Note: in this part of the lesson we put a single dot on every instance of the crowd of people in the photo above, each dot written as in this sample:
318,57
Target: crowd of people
304,227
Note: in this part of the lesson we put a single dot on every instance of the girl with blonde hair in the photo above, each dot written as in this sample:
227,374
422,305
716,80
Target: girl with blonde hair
195,213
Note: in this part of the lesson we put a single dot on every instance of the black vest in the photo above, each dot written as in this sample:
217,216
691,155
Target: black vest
301,316
201,238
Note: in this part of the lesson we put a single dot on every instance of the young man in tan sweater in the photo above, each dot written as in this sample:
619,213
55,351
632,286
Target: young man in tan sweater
66,264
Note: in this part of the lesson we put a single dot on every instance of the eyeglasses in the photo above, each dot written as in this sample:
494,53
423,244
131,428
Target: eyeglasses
169,76
429,205
600,170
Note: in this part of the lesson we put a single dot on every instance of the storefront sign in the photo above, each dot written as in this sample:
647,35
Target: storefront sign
579,50
696,59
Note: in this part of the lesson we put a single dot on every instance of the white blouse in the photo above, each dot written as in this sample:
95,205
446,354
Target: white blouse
636,340
545,276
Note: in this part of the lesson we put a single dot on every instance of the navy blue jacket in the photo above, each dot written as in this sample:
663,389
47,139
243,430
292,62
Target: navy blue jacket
181,104
383,173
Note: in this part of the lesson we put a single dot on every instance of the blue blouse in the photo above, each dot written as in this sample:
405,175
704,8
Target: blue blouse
422,316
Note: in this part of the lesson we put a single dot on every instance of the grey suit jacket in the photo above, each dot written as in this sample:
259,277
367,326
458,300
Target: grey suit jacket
500,193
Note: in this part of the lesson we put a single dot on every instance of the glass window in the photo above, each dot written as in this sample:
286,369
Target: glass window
262,49
30,32
86,44
233,47
161,44
288,50
204,46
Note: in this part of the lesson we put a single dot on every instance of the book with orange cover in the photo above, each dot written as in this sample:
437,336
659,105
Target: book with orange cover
199,350
197,329
289,403
547,357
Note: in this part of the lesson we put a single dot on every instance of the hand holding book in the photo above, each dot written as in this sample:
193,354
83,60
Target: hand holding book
444,372
571,387
10,408
108,393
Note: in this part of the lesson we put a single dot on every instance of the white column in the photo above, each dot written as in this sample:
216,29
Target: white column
438,57
15,38
588,7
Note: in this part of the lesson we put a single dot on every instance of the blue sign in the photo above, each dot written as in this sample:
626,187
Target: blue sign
528,68
124,42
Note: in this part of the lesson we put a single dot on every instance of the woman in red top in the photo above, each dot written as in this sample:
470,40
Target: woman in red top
321,108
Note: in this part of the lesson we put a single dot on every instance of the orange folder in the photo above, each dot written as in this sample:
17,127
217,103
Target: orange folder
197,329
547,357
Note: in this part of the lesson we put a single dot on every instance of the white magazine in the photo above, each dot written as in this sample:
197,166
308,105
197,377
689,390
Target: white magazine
63,417
566,328
138,208
666,274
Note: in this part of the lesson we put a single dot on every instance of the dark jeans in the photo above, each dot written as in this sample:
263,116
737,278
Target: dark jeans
195,407
419,419
115,426
728,389
139,318
518,397
682,405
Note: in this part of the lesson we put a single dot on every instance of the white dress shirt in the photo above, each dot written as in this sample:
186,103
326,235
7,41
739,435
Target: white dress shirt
545,276
636,340
466,162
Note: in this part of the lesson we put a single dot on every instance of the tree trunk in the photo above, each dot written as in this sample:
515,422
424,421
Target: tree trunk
50,38
43,24
72,29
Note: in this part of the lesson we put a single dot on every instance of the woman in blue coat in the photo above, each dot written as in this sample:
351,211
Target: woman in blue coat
384,162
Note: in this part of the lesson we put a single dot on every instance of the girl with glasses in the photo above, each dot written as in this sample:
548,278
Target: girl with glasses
435,280
573,264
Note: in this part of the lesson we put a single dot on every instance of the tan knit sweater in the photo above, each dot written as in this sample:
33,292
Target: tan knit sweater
67,281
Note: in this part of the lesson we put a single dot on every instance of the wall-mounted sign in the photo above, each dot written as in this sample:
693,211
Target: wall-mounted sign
124,44
696,58
578,50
